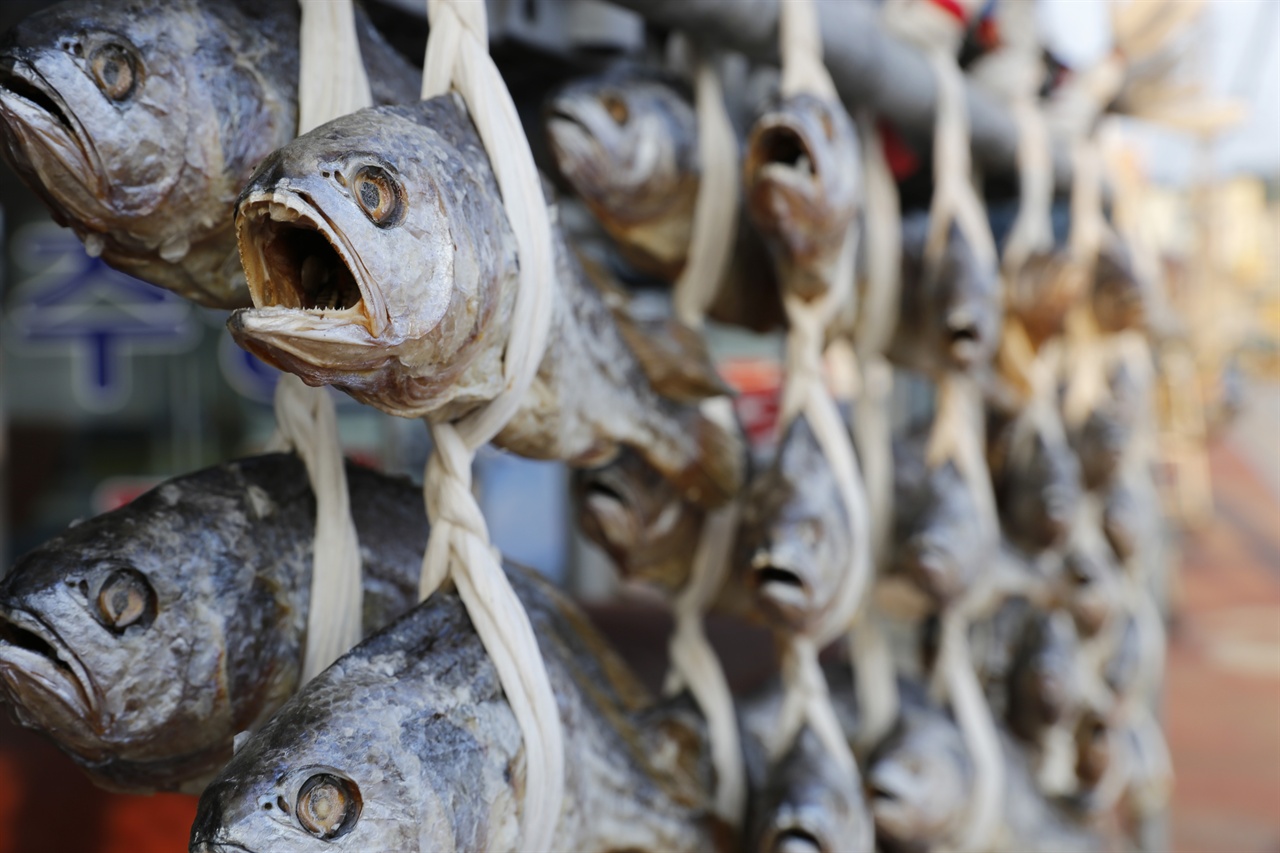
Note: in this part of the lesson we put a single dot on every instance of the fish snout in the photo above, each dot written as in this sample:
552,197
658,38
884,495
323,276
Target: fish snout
607,518
933,569
782,576
793,840
966,337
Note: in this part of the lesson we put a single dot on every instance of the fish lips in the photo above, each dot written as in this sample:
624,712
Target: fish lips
47,684
39,126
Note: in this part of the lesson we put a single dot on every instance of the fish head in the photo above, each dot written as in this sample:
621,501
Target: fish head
809,804
950,316
114,645
404,743
1038,489
118,115
801,181
1101,442
87,95
1094,752
373,258
626,142
1119,297
1044,688
1090,574
639,519
941,546
795,541
918,783
1042,292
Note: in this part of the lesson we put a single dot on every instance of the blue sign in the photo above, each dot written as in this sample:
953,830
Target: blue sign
75,304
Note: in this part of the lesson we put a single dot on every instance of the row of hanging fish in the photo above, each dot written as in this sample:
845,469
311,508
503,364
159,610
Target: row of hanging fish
160,645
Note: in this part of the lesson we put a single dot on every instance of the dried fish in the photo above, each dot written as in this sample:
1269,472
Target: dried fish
407,743
381,261
138,123
948,320
143,640
1036,479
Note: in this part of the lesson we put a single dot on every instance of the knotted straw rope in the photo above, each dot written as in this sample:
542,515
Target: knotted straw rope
694,664
958,422
805,392
331,83
459,548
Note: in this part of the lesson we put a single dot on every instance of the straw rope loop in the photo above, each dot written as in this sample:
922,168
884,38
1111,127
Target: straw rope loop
331,83
693,663
459,547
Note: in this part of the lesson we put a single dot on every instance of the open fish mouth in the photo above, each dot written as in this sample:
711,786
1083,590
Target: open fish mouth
792,838
782,584
38,671
295,259
780,153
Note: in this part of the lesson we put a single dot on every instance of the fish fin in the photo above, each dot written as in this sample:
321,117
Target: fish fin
718,473
674,357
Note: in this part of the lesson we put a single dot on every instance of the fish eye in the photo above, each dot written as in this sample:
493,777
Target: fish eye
379,196
616,107
328,806
115,71
126,599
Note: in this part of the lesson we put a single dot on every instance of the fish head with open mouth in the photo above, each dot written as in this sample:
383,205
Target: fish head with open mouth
116,645
941,544
378,259
800,174
639,519
919,781
1036,479
136,122
950,317
626,142
795,542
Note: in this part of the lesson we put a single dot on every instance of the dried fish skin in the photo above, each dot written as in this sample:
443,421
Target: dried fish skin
143,640
1037,482
392,275
412,732
138,122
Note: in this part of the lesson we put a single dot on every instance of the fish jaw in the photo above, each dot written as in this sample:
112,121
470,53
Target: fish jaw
48,147
48,687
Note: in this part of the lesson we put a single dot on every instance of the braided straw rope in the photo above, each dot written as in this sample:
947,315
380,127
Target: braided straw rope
807,700
694,664
459,547
331,83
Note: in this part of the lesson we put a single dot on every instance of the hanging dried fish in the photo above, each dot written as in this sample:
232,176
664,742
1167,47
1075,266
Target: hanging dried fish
138,123
950,320
1036,479
627,143
143,640
407,743
391,275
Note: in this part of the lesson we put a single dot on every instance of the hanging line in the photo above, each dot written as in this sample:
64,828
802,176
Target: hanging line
693,662
331,83
807,700
459,548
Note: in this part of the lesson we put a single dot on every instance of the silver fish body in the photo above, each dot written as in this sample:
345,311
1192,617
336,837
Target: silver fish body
381,262
138,123
1036,481
407,743
143,640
